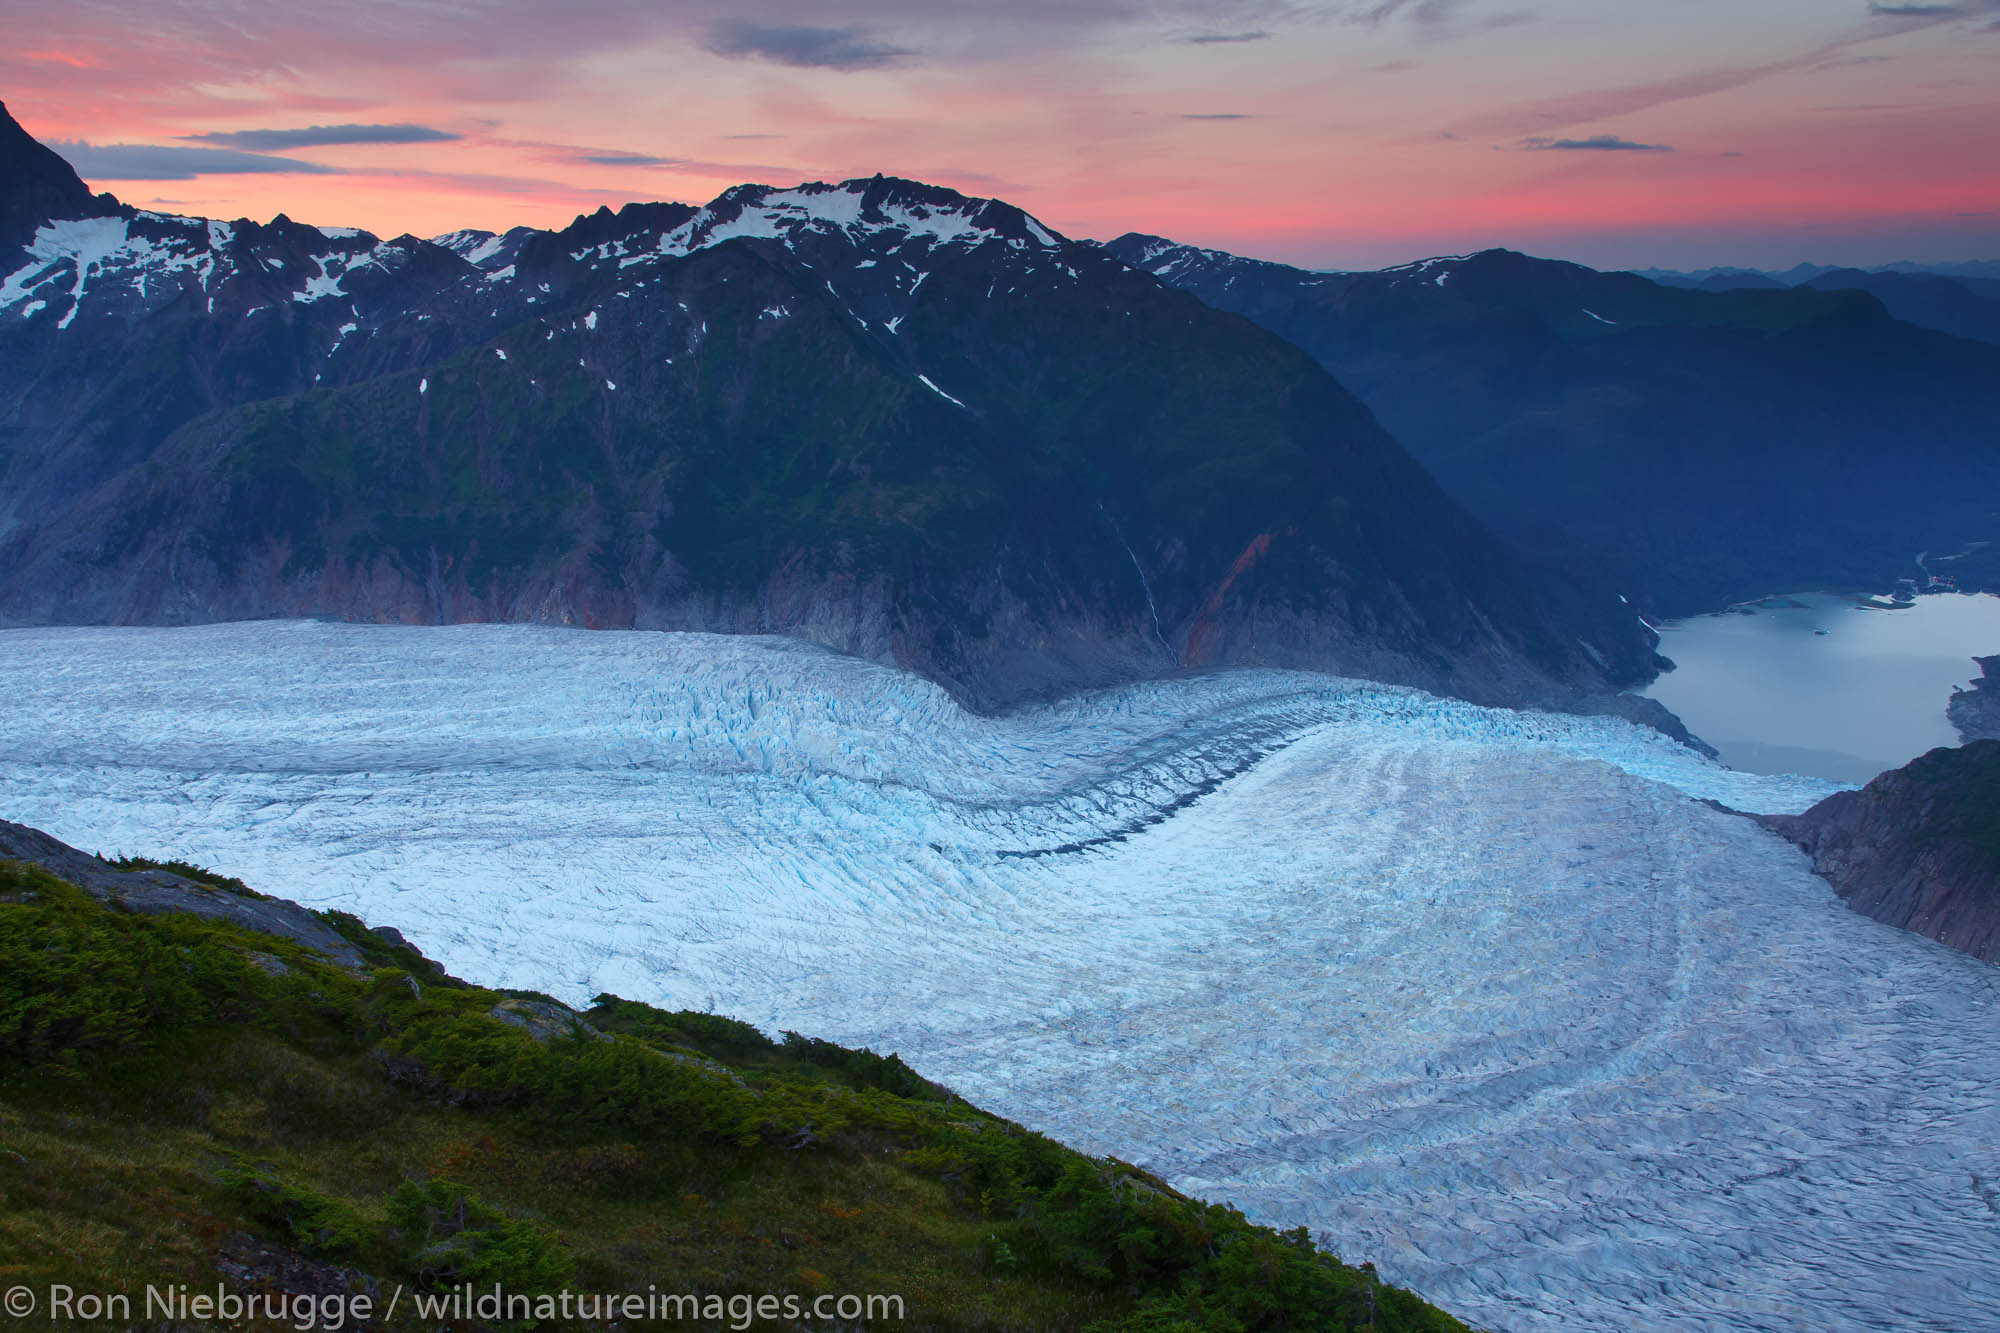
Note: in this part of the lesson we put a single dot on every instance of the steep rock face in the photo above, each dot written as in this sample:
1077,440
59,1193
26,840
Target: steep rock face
1919,847
1975,712
911,425
36,186
1697,447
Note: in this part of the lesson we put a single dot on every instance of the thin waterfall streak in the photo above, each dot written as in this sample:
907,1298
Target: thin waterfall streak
1145,585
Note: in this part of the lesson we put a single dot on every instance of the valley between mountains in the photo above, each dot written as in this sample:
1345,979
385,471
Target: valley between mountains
882,416
1180,703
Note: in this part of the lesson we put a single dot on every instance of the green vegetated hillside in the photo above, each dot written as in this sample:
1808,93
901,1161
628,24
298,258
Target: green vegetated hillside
184,1100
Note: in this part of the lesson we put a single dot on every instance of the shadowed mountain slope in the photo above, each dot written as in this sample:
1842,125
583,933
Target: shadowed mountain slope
1699,447
881,415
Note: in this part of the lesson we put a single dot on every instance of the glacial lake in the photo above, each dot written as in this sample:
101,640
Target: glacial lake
1832,686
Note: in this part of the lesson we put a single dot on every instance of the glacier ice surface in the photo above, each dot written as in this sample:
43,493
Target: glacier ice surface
1489,998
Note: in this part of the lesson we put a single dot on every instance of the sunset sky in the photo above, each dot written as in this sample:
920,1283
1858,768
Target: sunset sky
1622,133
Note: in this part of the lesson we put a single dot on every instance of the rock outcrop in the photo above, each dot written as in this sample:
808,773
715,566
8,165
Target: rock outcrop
1976,711
150,891
1919,847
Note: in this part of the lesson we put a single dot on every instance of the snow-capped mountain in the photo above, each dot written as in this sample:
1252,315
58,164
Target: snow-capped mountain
915,425
122,266
1700,447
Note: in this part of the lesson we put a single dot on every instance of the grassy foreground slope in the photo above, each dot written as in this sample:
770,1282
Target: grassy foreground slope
184,1100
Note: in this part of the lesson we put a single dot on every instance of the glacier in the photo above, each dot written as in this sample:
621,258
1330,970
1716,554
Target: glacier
1495,1000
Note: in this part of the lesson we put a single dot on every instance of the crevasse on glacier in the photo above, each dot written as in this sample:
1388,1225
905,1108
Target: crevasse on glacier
1482,996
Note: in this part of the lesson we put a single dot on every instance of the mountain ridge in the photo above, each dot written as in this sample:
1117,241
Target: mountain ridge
1698,447
910,424
36,184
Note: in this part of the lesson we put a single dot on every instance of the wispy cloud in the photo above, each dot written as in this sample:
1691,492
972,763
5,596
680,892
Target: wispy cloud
482,183
848,48
975,182
1422,11
615,159
1225,38
569,154
152,162
1606,103
1927,11
1596,143
319,136
1216,115
1434,19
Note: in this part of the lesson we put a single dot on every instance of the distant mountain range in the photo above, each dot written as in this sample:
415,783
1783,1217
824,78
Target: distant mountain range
1960,299
1977,269
1698,447
880,415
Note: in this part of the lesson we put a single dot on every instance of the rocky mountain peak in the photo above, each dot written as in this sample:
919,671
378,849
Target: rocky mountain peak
37,186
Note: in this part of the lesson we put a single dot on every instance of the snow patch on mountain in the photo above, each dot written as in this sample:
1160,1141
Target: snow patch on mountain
761,212
1176,264
150,257
79,249
474,247
932,386
319,286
